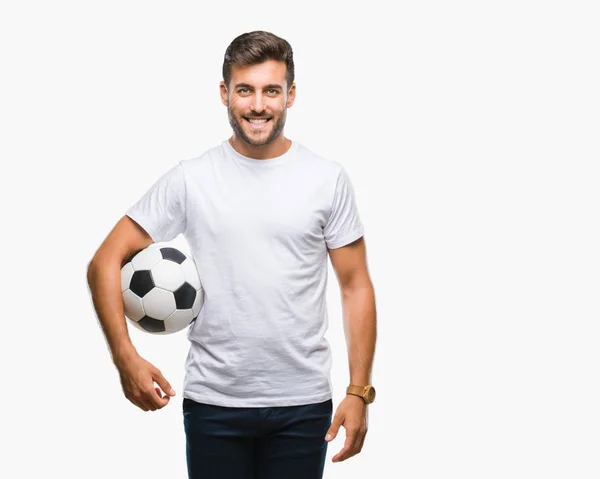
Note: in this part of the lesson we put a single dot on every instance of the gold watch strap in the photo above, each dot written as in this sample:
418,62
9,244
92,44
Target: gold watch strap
356,390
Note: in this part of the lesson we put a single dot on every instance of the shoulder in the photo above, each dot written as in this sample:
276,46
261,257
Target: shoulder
328,167
202,160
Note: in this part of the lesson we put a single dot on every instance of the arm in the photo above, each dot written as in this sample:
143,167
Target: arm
104,280
358,306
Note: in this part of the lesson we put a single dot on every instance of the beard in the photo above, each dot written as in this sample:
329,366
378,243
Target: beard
258,139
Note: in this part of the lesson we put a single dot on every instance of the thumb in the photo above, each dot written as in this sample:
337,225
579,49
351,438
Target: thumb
165,398
163,383
334,428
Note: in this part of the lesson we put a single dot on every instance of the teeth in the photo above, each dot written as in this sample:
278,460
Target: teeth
258,122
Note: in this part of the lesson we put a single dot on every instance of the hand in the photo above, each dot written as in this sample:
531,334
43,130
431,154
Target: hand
352,414
137,379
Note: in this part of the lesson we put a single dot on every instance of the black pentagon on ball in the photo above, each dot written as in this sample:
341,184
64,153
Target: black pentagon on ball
172,254
152,325
185,296
141,282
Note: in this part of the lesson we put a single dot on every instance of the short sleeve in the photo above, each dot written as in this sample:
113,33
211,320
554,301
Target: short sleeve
344,225
161,210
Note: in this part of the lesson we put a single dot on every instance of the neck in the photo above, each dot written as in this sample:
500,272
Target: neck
276,148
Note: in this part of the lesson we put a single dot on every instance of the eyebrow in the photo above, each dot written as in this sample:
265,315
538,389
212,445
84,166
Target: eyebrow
246,85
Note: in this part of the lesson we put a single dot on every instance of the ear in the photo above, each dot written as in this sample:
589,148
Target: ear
291,95
224,93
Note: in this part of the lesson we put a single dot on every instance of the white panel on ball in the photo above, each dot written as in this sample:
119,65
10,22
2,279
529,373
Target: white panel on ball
133,306
198,302
159,304
146,259
126,274
167,275
190,272
179,320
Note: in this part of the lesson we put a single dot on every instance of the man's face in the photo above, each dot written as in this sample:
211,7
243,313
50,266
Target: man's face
258,92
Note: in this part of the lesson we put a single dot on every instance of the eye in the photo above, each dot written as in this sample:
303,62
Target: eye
273,90
242,89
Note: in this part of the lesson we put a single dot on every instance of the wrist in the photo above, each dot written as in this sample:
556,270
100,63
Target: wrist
124,354
354,397
365,393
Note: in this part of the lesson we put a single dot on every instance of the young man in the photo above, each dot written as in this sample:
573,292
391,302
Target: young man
261,213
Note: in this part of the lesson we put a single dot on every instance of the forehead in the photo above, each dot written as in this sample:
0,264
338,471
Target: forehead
259,74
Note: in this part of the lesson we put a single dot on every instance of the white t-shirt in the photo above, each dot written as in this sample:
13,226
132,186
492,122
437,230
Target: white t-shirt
258,231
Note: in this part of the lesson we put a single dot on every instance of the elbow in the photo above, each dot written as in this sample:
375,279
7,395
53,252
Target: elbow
90,271
93,268
356,283
101,262
351,288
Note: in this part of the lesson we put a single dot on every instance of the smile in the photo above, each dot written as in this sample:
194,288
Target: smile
257,123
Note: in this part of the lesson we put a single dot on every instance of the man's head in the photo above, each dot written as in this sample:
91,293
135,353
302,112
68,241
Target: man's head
258,83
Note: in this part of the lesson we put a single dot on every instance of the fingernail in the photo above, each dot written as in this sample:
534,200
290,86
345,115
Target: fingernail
172,392
328,437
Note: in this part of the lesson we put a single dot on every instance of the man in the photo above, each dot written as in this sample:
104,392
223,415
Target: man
261,213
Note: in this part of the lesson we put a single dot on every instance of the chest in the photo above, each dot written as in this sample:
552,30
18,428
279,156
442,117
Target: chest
240,209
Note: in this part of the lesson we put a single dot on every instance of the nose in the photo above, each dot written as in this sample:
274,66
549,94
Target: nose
257,103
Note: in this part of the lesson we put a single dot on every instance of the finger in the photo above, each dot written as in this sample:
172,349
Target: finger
163,383
332,432
145,400
345,453
136,401
349,448
148,403
342,454
164,400
157,400
141,404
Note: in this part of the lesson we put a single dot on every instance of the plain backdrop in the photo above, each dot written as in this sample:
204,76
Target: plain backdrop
470,131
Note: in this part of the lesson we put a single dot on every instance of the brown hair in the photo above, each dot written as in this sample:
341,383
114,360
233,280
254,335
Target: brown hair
257,47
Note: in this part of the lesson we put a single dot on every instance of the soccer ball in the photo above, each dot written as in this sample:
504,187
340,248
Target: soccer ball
162,292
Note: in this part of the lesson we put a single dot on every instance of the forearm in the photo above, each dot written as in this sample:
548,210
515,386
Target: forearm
360,328
104,281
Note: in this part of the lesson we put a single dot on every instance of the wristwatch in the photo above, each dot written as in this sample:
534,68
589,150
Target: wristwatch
367,393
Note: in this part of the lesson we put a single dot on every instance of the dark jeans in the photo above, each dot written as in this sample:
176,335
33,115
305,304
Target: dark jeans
286,442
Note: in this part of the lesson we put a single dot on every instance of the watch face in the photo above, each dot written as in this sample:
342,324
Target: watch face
371,395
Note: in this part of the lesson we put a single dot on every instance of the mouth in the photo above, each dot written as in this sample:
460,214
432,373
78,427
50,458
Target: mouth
257,123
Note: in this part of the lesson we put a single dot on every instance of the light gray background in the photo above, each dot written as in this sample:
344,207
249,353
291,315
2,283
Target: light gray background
470,131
